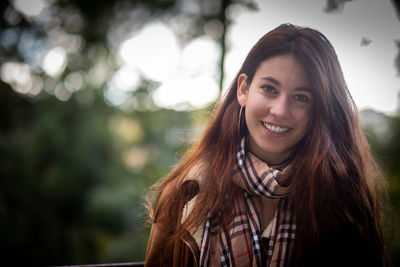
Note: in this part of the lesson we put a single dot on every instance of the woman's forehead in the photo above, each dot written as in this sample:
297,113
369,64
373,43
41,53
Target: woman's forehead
281,70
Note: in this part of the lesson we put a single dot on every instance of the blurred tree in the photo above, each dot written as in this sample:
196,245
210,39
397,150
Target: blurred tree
73,176
385,144
396,4
335,5
73,170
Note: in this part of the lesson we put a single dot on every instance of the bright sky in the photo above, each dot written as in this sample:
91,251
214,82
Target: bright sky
187,76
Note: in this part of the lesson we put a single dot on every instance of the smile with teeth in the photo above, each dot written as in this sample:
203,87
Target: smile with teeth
275,129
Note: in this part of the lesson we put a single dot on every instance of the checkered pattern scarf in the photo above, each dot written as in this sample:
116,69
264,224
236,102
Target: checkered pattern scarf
240,244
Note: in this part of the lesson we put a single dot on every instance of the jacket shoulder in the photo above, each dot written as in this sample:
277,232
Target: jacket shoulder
162,250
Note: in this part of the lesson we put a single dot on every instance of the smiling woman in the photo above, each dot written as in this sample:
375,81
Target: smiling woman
282,175
278,107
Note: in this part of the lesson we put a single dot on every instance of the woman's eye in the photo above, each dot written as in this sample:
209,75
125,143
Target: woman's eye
268,89
301,98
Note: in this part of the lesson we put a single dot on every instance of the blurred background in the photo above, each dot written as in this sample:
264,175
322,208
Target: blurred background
99,99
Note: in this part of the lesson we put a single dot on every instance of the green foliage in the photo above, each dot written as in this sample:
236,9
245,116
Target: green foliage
66,195
387,151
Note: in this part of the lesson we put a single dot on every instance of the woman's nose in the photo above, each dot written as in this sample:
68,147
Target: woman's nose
280,107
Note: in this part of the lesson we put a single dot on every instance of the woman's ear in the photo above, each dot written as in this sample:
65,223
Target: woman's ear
242,89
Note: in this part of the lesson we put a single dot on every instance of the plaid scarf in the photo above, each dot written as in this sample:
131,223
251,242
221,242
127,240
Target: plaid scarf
240,244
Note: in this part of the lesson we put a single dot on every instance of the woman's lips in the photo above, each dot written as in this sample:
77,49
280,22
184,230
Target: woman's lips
276,129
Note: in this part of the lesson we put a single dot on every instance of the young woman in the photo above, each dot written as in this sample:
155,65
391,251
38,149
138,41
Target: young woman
282,175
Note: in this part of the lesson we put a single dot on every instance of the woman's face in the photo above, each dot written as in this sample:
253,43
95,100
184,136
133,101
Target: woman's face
277,107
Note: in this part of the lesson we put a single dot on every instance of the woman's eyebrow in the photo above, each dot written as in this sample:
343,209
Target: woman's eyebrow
269,78
304,89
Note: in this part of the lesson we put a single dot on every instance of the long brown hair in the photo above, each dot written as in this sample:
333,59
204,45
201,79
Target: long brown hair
335,180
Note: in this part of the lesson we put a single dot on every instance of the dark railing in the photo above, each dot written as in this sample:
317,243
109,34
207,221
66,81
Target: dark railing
124,264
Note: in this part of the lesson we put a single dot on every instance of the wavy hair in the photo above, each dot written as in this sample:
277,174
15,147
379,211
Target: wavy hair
335,181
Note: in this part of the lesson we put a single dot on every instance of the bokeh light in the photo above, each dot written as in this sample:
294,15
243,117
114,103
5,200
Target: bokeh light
55,61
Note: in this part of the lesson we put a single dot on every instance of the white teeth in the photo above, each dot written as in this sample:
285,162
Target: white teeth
275,129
